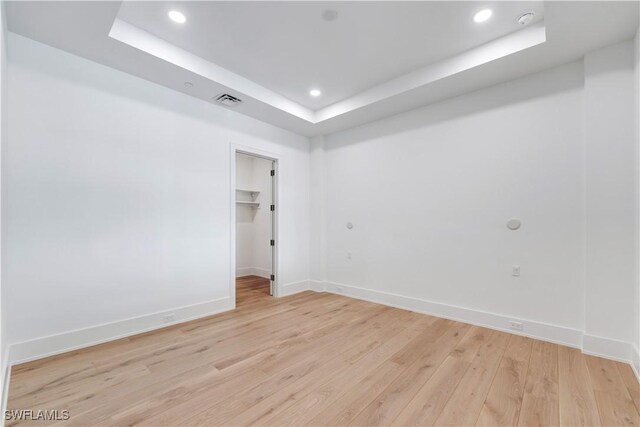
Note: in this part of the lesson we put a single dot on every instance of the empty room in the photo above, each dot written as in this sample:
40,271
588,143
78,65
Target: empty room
320,213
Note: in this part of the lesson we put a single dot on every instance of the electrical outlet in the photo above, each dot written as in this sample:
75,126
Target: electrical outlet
168,318
516,326
515,270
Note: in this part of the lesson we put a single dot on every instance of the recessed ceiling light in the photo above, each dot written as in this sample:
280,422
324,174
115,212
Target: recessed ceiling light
188,84
330,15
176,16
483,15
314,92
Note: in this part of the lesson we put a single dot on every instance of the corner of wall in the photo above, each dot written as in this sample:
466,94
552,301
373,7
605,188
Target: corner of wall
635,361
4,366
42,347
5,378
636,344
610,180
317,265
294,288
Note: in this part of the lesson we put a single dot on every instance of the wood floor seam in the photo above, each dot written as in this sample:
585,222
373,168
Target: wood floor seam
524,385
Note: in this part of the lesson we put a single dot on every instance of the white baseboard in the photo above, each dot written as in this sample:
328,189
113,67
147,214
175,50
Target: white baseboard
60,343
73,340
598,346
605,347
316,285
305,285
6,378
244,271
293,288
253,271
635,361
552,333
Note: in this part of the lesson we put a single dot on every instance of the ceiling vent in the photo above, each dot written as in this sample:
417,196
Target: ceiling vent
227,100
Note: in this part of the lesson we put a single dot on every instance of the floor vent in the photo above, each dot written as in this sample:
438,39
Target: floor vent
227,100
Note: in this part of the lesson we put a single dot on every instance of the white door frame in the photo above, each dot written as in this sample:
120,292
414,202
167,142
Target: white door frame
275,158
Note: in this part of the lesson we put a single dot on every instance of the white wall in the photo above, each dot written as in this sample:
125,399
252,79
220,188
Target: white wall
261,249
318,263
636,317
3,143
244,218
117,202
118,197
610,193
253,225
429,193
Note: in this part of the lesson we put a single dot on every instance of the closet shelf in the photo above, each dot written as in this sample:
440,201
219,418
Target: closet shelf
247,198
253,193
246,203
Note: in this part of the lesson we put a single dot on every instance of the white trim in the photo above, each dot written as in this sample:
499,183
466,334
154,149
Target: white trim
293,288
244,271
598,346
243,149
140,39
6,378
72,340
253,271
232,224
304,285
444,69
635,361
316,285
86,337
494,50
607,348
538,330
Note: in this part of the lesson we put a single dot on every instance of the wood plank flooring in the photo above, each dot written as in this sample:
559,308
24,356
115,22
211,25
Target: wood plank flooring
324,359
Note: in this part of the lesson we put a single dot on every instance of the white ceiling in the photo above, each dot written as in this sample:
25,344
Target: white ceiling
289,48
375,60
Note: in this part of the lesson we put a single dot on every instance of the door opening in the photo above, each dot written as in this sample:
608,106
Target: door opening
255,227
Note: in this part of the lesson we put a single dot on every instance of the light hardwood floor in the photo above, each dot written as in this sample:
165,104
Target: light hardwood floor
324,359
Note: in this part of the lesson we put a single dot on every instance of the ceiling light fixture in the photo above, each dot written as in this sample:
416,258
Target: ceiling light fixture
482,15
314,92
525,18
330,15
176,16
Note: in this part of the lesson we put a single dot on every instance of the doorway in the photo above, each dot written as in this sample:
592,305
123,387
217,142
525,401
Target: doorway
255,227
